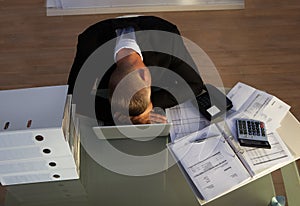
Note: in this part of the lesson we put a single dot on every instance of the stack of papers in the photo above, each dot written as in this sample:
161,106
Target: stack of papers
185,119
211,157
255,104
211,164
215,165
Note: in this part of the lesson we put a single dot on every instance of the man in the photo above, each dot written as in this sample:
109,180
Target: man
143,45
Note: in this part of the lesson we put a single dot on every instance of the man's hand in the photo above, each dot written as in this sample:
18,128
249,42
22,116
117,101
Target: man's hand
120,119
157,115
150,118
157,118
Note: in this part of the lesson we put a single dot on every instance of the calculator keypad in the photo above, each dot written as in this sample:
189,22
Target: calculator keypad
251,128
252,133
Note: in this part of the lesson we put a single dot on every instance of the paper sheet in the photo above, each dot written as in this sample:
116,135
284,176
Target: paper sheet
211,164
260,159
53,4
256,104
238,95
185,119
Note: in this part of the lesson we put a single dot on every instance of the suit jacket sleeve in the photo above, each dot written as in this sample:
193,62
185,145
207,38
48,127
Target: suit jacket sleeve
182,64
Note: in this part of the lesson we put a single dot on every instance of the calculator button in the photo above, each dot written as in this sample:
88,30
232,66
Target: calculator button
263,132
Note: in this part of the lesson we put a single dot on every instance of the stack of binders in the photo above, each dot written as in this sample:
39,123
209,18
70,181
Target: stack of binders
39,140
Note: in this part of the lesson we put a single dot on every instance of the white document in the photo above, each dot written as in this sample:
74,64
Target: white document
274,112
258,160
238,95
79,4
53,4
214,161
255,104
210,163
185,119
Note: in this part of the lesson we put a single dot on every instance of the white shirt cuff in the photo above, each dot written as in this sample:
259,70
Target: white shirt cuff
128,44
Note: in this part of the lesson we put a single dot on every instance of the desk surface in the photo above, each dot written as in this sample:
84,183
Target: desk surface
98,185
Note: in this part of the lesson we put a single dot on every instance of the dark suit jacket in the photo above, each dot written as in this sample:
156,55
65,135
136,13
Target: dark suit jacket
161,46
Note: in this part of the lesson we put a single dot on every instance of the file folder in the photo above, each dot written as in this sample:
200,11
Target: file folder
36,144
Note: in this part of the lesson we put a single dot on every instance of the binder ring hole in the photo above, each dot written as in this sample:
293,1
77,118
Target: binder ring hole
39,137
6,125
56,176
52,164
47,151
29,122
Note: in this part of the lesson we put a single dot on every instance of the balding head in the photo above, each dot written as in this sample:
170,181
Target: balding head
129,85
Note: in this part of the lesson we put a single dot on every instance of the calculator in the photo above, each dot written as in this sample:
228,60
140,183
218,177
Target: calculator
252,133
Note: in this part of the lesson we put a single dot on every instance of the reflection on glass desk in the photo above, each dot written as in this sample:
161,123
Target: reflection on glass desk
100,186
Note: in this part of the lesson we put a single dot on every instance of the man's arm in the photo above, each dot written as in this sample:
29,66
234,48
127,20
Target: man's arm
88,42
183,65
82,53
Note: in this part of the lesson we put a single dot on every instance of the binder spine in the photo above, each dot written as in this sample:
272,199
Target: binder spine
238,150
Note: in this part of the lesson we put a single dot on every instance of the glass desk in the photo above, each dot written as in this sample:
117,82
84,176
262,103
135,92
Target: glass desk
100,186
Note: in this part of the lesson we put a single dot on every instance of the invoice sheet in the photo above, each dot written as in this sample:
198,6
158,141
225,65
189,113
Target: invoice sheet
185,119
274,112
211,164
258,105
260,159
239,95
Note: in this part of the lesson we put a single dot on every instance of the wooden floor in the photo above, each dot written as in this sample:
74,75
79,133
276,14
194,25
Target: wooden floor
259,45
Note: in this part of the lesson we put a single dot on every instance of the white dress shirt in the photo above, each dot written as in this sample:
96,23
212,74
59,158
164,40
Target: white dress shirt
126,39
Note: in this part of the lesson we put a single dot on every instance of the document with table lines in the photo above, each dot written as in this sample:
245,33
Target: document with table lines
215,163
213,159
211,164
185,119
258,159
256,104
